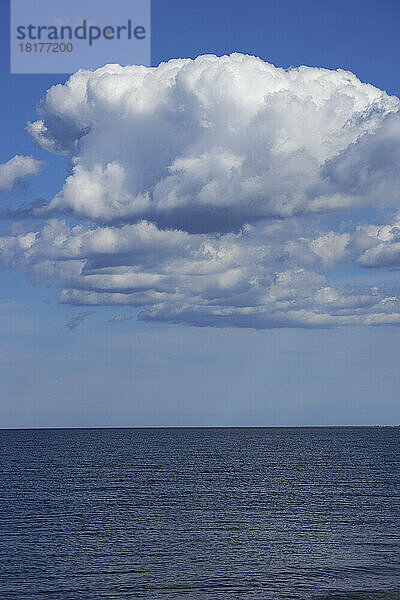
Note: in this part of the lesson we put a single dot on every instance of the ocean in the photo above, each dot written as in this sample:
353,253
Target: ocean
200,513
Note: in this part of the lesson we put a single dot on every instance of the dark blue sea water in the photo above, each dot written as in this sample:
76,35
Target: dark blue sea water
200,514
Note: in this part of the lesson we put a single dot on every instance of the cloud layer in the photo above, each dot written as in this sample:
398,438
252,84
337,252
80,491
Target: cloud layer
219,192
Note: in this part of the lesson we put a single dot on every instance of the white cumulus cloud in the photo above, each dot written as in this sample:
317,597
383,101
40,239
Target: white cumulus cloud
213,143
16,169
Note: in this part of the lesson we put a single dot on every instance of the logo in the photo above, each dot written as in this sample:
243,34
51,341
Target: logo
51,36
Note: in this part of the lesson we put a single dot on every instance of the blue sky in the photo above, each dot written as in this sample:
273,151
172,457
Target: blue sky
133,373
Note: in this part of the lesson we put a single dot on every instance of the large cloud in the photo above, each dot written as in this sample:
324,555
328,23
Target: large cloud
207,193
214,143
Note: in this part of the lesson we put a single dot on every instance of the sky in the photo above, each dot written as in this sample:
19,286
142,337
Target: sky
294,319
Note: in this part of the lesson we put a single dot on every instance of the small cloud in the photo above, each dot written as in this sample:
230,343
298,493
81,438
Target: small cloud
16,169
77,319
119,319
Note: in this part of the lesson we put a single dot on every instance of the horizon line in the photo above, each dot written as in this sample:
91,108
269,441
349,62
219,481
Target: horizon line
80,427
